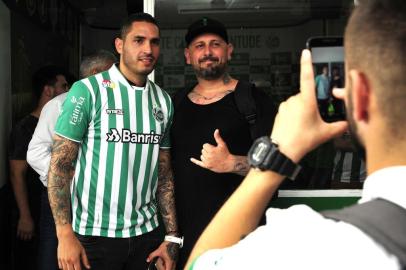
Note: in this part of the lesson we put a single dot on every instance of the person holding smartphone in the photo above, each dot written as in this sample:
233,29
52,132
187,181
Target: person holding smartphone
299,237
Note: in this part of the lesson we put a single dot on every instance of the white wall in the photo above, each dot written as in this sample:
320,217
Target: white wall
5,89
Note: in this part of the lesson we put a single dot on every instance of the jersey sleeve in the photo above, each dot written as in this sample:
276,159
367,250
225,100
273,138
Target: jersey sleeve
166,142
76,113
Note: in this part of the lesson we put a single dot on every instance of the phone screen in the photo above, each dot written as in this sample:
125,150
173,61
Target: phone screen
328,66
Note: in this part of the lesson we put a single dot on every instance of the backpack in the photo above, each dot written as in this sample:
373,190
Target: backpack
382,220
244,101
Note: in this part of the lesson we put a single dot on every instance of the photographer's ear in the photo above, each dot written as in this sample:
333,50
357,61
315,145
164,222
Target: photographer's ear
360,95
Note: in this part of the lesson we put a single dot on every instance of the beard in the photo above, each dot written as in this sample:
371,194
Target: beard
355,140
211,72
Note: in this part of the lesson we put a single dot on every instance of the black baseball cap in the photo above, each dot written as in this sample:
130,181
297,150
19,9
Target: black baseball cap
203,26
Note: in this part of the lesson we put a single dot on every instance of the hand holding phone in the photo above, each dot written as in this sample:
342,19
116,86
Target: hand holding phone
328,66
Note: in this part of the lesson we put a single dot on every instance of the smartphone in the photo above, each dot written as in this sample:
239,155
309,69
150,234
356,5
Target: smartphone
328,66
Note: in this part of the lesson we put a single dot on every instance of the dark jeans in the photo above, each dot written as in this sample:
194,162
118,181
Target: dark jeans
120,253
48,242
25,252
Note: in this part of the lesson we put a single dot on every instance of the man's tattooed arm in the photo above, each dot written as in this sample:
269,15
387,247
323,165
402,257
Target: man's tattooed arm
61,171
166,200
241,166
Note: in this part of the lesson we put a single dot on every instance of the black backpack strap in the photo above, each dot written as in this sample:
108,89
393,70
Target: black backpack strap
246,105
383,221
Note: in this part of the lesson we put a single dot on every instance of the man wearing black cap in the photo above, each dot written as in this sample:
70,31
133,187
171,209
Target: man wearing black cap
210,134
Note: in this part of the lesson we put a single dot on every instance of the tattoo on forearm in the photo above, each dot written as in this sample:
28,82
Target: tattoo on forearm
166,192
61,171
241,166
173,251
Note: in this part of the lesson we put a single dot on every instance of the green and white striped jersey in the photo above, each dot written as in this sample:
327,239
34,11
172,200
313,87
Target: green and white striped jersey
121,129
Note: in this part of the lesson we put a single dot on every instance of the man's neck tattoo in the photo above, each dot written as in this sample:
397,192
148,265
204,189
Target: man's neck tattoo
215,96
226,78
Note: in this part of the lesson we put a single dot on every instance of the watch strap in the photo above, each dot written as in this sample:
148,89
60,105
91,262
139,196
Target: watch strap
174,239
283,165
265,155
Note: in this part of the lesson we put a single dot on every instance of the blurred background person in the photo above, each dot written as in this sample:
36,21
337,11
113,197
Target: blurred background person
48,82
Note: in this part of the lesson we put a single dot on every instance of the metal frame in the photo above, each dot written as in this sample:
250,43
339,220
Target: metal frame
149,7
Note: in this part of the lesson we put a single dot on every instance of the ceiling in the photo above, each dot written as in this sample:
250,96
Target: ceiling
108,14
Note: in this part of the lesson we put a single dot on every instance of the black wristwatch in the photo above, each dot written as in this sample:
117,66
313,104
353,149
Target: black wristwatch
265,155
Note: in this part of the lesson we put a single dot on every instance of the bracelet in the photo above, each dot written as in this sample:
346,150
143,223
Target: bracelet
174,239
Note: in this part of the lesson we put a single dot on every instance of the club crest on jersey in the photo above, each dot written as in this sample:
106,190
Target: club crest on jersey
108,84
158,114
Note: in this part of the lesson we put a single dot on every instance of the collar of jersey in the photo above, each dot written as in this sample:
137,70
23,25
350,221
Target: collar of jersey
117,74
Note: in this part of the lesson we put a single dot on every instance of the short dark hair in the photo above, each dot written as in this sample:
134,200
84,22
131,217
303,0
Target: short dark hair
96,61
45,76
375,37
135,17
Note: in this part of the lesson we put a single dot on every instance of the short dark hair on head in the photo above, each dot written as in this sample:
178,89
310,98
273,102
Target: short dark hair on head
375,42
135,17
96,61
45,76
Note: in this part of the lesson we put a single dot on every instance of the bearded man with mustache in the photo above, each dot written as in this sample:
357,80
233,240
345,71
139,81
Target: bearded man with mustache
210,136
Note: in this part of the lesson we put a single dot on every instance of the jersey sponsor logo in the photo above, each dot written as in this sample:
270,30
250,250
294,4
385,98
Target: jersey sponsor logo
127,136
158,114
108,84
115,111
77,114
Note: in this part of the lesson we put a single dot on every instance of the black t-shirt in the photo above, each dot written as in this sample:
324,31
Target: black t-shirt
200,192
20,137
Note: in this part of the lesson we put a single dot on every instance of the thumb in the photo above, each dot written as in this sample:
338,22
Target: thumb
85,260
337,128
217,137
152,255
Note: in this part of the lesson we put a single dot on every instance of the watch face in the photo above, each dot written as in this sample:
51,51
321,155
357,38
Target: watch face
265,155
259,151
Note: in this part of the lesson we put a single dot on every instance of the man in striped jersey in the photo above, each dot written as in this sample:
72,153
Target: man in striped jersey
114,125
39,155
